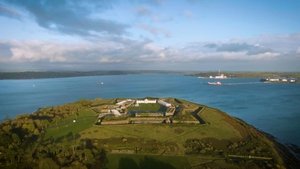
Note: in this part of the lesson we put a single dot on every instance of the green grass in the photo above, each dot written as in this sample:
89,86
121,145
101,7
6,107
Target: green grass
216,128
84,120
147,108
134,161
164,134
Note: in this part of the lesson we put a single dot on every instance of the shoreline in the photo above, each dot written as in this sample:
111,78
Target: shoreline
280,154
66,74
291,158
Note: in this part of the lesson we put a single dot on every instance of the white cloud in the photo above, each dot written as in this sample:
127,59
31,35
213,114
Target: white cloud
143,52
188,14
109,60
154,30
33,51
298,51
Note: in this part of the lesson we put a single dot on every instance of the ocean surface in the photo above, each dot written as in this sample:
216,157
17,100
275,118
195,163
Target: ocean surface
273,108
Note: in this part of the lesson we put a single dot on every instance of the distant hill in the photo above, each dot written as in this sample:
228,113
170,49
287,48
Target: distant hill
61,74
190,135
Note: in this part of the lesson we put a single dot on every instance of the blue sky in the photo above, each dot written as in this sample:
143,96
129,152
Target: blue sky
236,35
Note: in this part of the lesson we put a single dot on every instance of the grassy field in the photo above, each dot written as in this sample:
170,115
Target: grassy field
216,128
162,138
85,119
134,161
125,161
163,134
77,139
147,108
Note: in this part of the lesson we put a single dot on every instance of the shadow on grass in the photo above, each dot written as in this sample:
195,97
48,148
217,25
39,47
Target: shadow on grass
146,163
127,163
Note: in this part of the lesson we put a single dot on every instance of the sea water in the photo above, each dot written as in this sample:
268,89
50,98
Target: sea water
273,108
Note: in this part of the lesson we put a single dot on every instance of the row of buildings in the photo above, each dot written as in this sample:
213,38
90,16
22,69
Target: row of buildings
120,108
279,80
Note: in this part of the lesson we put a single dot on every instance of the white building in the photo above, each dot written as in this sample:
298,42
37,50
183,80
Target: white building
121,103
274,80
146,101
163,103
115,112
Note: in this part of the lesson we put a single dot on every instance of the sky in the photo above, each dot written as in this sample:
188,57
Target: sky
181,35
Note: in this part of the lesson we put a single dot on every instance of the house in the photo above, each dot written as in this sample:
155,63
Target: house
146,101
121,103
274,80
115,112
163,103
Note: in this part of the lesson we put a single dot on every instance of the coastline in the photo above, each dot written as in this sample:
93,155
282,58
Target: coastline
289,157
238,74
280,152
66,74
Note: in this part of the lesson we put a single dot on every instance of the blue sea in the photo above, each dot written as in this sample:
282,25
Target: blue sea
273,108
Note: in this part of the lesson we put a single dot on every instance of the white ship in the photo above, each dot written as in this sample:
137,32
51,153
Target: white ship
220,76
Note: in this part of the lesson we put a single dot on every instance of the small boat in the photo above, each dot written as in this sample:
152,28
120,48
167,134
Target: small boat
214,83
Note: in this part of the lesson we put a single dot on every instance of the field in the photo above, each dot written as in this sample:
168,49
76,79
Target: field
161,138
171,137
85,119
67,135
125,161
177,145
128,161
147,108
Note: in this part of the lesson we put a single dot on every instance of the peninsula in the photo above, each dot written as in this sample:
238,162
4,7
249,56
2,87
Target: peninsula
134,133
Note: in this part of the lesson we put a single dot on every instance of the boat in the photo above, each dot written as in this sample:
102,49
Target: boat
220,76
214,83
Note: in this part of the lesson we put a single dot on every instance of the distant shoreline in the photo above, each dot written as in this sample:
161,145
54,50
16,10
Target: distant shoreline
261,75
65,74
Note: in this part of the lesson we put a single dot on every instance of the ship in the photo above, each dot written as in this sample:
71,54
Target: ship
214,83
220,76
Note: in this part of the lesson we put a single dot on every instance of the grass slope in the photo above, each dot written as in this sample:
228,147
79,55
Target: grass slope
84,120
125,161
141,145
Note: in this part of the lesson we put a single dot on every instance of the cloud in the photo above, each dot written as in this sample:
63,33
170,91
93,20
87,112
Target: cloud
188,14
4,50
238,47
118,52
71,17
143,11
298,50
9,12
123,51
283,43
106,51
155,31
153,2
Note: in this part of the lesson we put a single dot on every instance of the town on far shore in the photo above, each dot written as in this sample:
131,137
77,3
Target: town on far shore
266,77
